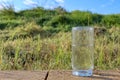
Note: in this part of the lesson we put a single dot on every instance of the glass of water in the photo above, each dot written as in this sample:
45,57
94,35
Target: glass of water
82,51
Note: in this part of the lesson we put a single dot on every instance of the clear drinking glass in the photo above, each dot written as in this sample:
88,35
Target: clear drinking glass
82,51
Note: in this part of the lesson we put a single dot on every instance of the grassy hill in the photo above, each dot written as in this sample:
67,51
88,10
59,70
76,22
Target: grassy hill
39,38
58,18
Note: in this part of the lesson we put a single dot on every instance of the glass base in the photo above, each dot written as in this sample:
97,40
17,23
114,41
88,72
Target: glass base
83,73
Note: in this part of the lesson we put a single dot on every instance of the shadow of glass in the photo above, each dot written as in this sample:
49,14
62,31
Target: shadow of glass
106,75
101,78
110,74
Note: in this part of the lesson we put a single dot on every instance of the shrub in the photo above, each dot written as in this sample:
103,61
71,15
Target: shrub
43,20
59,20
10,23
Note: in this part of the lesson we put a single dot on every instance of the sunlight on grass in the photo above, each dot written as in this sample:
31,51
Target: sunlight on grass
54,52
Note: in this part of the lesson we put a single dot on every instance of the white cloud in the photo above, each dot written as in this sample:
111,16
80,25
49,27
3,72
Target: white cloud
51,4
49,7
1,7
30,2
6,1
17,9
60,1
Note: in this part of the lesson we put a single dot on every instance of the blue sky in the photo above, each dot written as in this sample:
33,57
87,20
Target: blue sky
95,6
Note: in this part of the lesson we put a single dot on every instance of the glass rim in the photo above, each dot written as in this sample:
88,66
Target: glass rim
82,27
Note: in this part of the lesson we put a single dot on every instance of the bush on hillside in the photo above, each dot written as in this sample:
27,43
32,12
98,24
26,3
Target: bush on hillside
59,20
111,20
10,23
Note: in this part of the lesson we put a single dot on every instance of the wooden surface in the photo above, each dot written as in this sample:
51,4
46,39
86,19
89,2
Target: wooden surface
57,75
22,75
98,75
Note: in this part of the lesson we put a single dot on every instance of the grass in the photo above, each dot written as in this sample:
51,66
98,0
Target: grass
26,49
107,49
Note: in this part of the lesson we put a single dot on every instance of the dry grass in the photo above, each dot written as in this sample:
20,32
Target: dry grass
37,53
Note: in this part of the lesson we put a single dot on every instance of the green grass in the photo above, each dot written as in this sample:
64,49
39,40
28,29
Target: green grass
25,48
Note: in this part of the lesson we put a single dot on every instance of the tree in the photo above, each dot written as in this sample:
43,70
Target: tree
110,20
81,17
97,18
60,10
